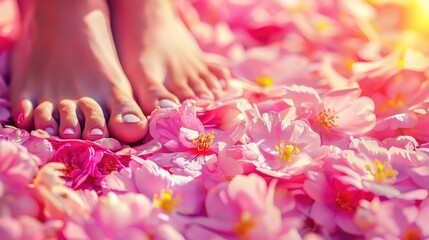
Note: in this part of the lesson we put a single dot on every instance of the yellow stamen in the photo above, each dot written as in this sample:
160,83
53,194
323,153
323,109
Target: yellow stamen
327,118
322,25
400,64
167,202
395,103
382,172
244,225
287,152
342,200
264,81
349,63
204,141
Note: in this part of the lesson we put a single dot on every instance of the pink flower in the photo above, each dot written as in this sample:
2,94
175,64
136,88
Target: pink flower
383,171
334,202
128,216
171,193
23,227
271,65
398,106
288,148
335,115
17,166
242,208
61,203
392,219
36,145
85,163
187,144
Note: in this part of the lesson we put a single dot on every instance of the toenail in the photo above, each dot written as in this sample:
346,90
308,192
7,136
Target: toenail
96,132
50,130
204,96
165,103
69,131
130,118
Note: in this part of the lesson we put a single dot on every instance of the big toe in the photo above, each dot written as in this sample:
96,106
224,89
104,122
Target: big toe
127,122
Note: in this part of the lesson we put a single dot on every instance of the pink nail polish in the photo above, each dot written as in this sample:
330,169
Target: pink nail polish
69,131
204,96
50,130
96,132
130,118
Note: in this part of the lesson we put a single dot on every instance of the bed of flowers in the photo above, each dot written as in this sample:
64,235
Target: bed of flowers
322,134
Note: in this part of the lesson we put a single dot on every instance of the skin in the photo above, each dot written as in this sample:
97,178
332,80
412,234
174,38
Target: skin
66,76
69,79
160,56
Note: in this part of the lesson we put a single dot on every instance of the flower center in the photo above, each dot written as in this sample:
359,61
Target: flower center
244,225
322,25
68,169
395,103
412,233
108,165
166,201
204,141
382,172
287,152
343,201
327,118
264,81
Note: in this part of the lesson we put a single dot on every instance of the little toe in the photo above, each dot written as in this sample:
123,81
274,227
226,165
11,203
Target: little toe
43,118
127,122
95,123
69,123
22,114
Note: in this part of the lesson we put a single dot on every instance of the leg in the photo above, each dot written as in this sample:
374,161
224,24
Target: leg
159,55
66,76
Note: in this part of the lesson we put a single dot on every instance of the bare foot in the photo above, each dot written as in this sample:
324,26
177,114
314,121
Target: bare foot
67,78
159,55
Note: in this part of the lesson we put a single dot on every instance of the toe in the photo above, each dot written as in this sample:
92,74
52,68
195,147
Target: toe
221,73
200,88
154,94
69,123
127,122
95,123
22,113
43,118
180,88
211,81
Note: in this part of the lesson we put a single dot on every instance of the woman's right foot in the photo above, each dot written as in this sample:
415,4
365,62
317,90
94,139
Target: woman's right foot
66,76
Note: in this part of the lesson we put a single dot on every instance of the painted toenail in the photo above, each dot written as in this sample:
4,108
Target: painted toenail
165,103
69,131
50,130
130,118
204,96
96,132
